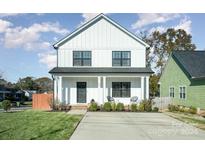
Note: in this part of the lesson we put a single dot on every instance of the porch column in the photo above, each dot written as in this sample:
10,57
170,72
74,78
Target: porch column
99,91
104,89
60,89
55,88
142,87
66,95
147,87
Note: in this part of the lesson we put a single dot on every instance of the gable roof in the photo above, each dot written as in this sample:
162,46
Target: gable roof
93,21
193,62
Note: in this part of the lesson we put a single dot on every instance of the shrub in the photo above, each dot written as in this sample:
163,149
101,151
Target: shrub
141,107
148,105
133,107
193,110
93,106
145,105
61,107
155,109
113,105
182,109
107,106
120,107
171,107
18,104
6,104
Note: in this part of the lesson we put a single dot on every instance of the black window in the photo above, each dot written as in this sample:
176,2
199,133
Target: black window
81,58
121,58
120,89
171,92
182,92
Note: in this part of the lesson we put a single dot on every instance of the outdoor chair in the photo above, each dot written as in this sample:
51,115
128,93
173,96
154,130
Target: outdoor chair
110,99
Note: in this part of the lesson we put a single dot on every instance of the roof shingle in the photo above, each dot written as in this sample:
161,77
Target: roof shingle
192,61
100,70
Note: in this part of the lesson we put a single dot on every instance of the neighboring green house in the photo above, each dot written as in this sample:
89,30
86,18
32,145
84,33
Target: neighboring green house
183,78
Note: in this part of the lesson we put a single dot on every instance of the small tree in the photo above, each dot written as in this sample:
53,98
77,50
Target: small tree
6,104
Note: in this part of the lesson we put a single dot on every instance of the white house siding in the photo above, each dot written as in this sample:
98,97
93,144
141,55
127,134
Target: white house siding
102,38
70,84
69,90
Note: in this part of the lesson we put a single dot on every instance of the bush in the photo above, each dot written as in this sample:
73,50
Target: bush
107,106
173,108
6,104
93,106
133,107
113,105
120,107
61,107
192,110
145,105
141,107
155,109
18,104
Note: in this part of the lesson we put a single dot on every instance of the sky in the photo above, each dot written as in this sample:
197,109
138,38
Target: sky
26,39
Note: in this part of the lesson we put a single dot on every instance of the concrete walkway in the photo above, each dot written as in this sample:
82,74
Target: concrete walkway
137,126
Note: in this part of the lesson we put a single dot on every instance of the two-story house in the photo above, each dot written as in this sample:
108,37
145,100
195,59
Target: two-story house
100,59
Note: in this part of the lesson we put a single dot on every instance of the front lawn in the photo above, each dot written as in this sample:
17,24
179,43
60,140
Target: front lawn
32,125
192,119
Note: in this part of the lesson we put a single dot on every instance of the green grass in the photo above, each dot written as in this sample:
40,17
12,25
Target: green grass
191,119
32,125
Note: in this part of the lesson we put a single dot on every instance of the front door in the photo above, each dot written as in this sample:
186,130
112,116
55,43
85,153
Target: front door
81,92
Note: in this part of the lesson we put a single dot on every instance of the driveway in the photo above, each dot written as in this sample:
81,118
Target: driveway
133,126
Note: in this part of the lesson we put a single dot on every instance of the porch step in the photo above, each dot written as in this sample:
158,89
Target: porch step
79,107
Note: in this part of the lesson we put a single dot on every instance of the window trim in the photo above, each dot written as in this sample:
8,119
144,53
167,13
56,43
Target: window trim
121,59
81,51
122,90
170,91
185,91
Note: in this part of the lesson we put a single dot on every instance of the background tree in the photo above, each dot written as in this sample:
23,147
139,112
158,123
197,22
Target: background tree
153,85
45,84
162,44
26,83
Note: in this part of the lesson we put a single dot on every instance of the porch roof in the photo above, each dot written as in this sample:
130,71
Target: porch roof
101,70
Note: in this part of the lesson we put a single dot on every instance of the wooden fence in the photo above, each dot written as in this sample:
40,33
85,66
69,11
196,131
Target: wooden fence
42,101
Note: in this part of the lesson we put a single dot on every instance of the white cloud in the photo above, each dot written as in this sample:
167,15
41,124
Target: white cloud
151,18
161,29
2,15
4,25
48,59
185,24
87,17
30,37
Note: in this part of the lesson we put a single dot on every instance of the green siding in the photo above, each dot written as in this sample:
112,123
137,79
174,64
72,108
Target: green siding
174,76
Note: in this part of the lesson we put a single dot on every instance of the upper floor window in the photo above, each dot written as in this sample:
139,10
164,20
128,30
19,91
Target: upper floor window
81,58
121,58
171,92
182,92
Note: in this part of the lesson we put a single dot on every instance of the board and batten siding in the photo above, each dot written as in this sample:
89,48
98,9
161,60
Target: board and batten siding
174,76
101,39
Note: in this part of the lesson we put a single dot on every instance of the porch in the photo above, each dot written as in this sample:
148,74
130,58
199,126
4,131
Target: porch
98,87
